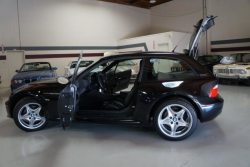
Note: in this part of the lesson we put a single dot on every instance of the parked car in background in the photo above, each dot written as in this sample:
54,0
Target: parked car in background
238,70
69,70
209,60
30,72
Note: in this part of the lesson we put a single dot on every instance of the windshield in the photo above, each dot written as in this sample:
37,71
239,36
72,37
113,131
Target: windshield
38,66
82,64
243,57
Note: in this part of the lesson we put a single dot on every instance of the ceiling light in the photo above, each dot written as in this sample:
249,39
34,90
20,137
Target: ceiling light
152,1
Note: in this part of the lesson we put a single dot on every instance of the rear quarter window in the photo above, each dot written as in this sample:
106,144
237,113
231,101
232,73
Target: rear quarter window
166,69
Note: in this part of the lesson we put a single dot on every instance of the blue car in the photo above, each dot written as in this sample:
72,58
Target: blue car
31,72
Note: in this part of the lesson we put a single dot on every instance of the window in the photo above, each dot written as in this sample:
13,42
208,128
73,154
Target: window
82,64
166,69
102,67
128,65
39,66
244,57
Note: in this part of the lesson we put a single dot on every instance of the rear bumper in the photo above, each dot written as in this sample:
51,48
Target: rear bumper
210,107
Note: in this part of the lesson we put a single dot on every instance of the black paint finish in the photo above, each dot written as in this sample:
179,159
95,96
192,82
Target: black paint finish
147,97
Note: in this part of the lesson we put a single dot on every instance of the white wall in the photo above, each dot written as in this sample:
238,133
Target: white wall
177,15
68,23
233,22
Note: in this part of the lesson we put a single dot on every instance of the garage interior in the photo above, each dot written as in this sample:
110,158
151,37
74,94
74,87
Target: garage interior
56,31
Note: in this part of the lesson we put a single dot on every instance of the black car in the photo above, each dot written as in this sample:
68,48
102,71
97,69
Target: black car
174,100
209,60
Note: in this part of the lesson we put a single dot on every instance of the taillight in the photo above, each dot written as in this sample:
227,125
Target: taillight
213,91
12,81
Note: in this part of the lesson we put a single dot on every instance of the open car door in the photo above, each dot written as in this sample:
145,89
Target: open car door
67,101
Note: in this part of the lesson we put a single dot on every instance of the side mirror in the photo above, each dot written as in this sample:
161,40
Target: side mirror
55,68
63,80
17,70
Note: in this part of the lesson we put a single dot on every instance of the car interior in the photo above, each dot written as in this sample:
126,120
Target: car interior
108,89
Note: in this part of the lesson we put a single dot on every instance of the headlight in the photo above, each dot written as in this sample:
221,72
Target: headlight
215,71
243,71
18,81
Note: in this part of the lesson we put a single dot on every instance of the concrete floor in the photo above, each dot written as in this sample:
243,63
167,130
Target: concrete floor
223,142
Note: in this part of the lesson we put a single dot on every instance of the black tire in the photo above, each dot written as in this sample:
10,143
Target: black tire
181,102
248,82
220,81
17,109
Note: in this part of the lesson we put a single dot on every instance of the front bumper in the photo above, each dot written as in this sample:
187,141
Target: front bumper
233,77
210,107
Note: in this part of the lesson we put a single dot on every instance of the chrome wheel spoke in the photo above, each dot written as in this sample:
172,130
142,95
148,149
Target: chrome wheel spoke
181,113
182,123
37,111
25,117
166,121
28,109
39,118
31,121
170,112
173,129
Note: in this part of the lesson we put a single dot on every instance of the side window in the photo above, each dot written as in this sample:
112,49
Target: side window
166,69
128,65
102,67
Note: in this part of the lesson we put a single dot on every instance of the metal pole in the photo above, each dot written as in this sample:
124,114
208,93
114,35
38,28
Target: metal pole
205,15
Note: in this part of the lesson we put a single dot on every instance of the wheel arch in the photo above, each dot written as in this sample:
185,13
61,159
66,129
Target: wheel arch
16,99
187,98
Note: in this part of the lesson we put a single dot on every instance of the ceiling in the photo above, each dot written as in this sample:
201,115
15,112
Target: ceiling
138,3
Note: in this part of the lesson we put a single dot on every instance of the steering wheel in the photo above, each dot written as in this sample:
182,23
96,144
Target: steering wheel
102,80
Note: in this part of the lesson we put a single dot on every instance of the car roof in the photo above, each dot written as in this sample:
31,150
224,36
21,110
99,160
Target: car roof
208,55
37,62
142,54
195,65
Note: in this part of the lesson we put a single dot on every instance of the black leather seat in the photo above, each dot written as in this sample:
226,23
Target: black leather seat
119,104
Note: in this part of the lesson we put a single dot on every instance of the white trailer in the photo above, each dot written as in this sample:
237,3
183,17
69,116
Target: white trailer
166,42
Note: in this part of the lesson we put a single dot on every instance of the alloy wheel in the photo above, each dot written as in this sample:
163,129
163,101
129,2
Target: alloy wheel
31,116
175,120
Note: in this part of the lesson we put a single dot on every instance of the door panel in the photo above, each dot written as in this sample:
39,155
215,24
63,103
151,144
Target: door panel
67,104
67,101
